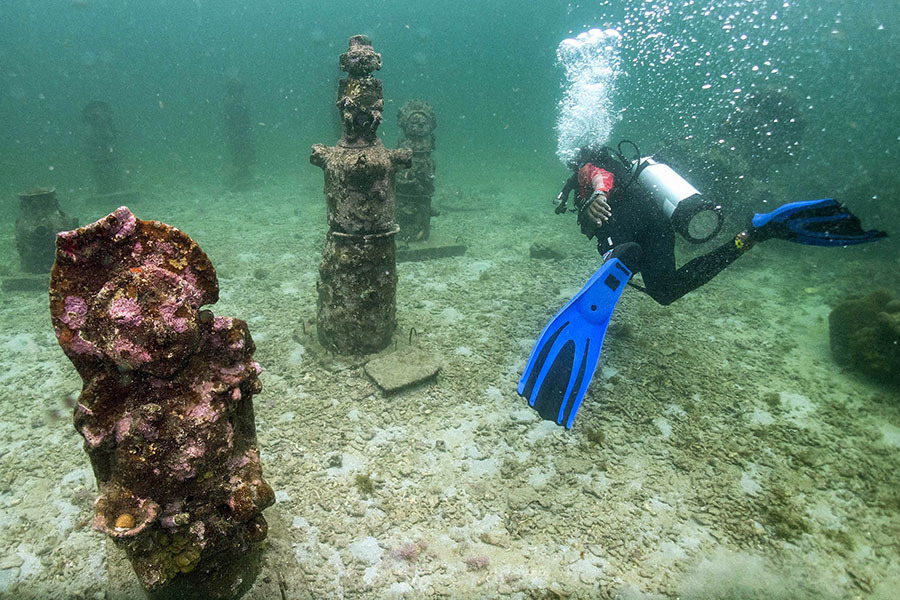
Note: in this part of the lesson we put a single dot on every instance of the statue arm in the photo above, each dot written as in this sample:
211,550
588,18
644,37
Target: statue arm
319,155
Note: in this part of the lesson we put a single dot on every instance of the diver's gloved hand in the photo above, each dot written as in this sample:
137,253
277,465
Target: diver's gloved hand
597,208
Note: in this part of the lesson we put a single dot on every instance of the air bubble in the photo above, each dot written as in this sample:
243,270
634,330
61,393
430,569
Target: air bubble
586,118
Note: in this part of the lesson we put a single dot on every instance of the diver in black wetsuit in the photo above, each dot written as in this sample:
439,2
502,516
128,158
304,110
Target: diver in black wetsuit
631,226
634,208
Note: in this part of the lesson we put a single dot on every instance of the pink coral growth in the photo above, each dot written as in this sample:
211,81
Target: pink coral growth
79,345
167,312
123,426
185,464
93,438
220,323
409,552
204,412
66,242
125,311
477,563
76,312
130,353
125,223
239,462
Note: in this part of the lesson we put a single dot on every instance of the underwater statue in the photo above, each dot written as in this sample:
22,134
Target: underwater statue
415,186
357,284
36,229
102,147
240,136
166,410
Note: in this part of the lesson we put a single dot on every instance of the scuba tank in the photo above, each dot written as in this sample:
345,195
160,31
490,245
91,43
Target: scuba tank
694,217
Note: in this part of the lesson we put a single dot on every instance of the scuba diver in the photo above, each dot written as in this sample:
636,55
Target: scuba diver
634,206
652,202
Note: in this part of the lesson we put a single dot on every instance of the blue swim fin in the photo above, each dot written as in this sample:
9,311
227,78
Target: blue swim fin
565,355
824,222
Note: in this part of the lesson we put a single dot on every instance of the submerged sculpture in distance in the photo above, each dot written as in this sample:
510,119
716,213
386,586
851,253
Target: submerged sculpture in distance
415,186
102,147
166,410
239,133
36,228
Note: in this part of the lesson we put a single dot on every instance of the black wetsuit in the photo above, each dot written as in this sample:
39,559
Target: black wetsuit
641,235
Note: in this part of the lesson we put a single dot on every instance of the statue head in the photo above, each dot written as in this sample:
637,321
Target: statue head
360,59
416,119
360,100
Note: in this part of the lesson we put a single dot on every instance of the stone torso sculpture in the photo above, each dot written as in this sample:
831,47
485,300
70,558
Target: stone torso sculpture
357,276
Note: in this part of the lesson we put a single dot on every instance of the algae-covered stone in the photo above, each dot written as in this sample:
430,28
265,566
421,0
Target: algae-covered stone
402,369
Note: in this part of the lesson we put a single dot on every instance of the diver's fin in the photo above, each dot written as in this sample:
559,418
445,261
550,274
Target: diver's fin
565,355
824,222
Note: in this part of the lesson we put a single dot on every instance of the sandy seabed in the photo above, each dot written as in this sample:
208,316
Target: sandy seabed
720,452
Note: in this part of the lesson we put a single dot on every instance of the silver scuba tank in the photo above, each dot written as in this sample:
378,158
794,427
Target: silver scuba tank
692,215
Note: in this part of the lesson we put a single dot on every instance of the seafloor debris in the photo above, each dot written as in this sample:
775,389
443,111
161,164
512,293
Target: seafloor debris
166,410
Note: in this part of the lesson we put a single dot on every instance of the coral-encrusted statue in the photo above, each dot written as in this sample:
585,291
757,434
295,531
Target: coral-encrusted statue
357,285
36,229
415,186
166,410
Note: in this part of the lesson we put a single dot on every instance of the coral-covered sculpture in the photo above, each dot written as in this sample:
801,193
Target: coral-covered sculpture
357,284
36,229
166,410
415,186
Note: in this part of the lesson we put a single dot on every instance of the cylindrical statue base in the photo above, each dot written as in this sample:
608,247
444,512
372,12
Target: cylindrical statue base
357,292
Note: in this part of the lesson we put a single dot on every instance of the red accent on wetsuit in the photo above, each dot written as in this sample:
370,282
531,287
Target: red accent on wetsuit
592,178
